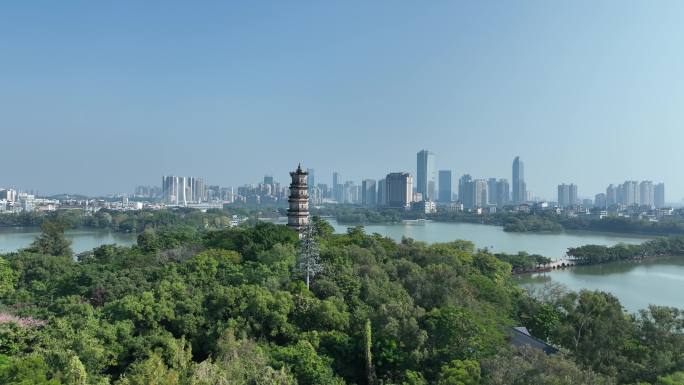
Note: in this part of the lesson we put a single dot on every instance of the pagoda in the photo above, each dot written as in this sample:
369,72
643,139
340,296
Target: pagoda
298,212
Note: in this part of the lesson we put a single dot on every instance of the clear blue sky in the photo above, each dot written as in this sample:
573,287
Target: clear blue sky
97,97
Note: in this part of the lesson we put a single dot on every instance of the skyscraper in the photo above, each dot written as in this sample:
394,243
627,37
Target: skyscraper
503,193
444,186
425,176
311,180
338,187
572,194
464,191
399,189
611,196
350,193
170,189
519,188
563,195
491,191
646,193
382,193
473,193
659,195
629,193
368,192
479,193
600,200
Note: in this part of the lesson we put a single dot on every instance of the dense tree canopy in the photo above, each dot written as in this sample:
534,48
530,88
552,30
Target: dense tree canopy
192,305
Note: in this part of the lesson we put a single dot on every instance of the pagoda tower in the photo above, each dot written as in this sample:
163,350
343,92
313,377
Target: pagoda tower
298,213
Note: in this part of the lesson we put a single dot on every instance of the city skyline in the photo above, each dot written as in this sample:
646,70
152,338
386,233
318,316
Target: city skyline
342,190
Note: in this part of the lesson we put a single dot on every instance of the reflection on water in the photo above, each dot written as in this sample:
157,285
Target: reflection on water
637,284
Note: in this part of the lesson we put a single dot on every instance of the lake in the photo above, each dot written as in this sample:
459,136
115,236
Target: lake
657,281
13,239
637,284
552,245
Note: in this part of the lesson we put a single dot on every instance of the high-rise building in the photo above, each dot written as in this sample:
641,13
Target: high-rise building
426,174
479,193
473,193
563,195
382,193
368,192
503,194
444,186
629,193
491,191
519,187
311,179
268,180
659,195
298,201
173,190
198,190
399,189
465,191
611,196
572,195
600,201
8,195
181,190
338,188
350,193
646,193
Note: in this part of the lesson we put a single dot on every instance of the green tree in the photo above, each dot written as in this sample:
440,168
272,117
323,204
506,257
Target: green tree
371,377
148,241
459,372
51,241
458,333
76,372
676,378
529,366
152,371
8,278
239,362
29,370
308,367
595,328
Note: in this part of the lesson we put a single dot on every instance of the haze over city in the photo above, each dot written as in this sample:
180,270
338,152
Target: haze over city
103,97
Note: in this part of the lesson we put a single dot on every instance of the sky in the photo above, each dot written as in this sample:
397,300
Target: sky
97,97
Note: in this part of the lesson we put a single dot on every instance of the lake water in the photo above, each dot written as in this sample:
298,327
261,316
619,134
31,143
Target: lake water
658,281
494,238
13,239
637,284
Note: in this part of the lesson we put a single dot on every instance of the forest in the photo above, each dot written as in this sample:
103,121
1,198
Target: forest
190,304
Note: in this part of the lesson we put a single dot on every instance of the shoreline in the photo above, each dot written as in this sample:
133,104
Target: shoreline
571,264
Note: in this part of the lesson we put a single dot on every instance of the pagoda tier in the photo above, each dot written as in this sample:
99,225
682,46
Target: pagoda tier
298,211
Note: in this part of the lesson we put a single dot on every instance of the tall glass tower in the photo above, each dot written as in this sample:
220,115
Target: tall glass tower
519,188
426,175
